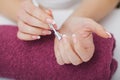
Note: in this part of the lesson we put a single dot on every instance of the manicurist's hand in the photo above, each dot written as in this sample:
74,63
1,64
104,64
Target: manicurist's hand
76,45
33,21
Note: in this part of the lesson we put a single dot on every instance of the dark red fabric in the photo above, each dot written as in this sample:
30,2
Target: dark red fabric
35,60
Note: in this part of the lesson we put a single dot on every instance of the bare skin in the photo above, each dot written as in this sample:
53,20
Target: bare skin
82,23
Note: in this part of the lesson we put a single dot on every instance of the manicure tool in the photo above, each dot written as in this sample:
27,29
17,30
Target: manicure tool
57,34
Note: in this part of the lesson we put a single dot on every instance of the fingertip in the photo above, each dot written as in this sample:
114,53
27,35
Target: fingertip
60,62
64,35
106,35
109,35
77,63
86,58
50,21
36,37
48,11
64,38
46,32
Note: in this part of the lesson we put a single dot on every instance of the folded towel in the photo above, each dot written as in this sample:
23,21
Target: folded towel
35,60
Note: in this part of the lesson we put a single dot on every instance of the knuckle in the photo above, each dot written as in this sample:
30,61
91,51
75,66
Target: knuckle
60,62
86,26
86,59
67,62
88,56
77,62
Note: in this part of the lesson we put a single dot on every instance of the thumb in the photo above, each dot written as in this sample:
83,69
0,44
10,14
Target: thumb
98,29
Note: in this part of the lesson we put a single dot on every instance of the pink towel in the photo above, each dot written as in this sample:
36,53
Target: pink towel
35,60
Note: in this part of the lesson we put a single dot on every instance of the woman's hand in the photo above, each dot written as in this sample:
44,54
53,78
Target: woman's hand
77,44
32,21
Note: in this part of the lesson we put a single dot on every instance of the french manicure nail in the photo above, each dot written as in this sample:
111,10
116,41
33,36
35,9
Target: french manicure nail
110,36
46,32
50,21
64,37
55,26
36,37
49,11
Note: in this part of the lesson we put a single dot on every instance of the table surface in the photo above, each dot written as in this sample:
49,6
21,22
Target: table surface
111,23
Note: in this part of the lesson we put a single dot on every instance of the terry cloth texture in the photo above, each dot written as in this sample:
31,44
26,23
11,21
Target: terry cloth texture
35,60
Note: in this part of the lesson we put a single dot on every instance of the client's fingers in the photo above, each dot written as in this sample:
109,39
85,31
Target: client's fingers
64,50
57,54
72,56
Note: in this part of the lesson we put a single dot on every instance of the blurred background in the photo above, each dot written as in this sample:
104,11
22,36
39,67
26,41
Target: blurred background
110,22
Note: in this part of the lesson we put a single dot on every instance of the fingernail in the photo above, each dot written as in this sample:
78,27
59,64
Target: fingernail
46,32
64,38
36,37
49,11
55,26
74,38
50,21
109,35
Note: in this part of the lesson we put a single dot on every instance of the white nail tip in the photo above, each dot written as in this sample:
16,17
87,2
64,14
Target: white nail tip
38,37
109,34
73,35
64,35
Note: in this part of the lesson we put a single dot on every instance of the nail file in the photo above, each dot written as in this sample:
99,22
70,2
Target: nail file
57,34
